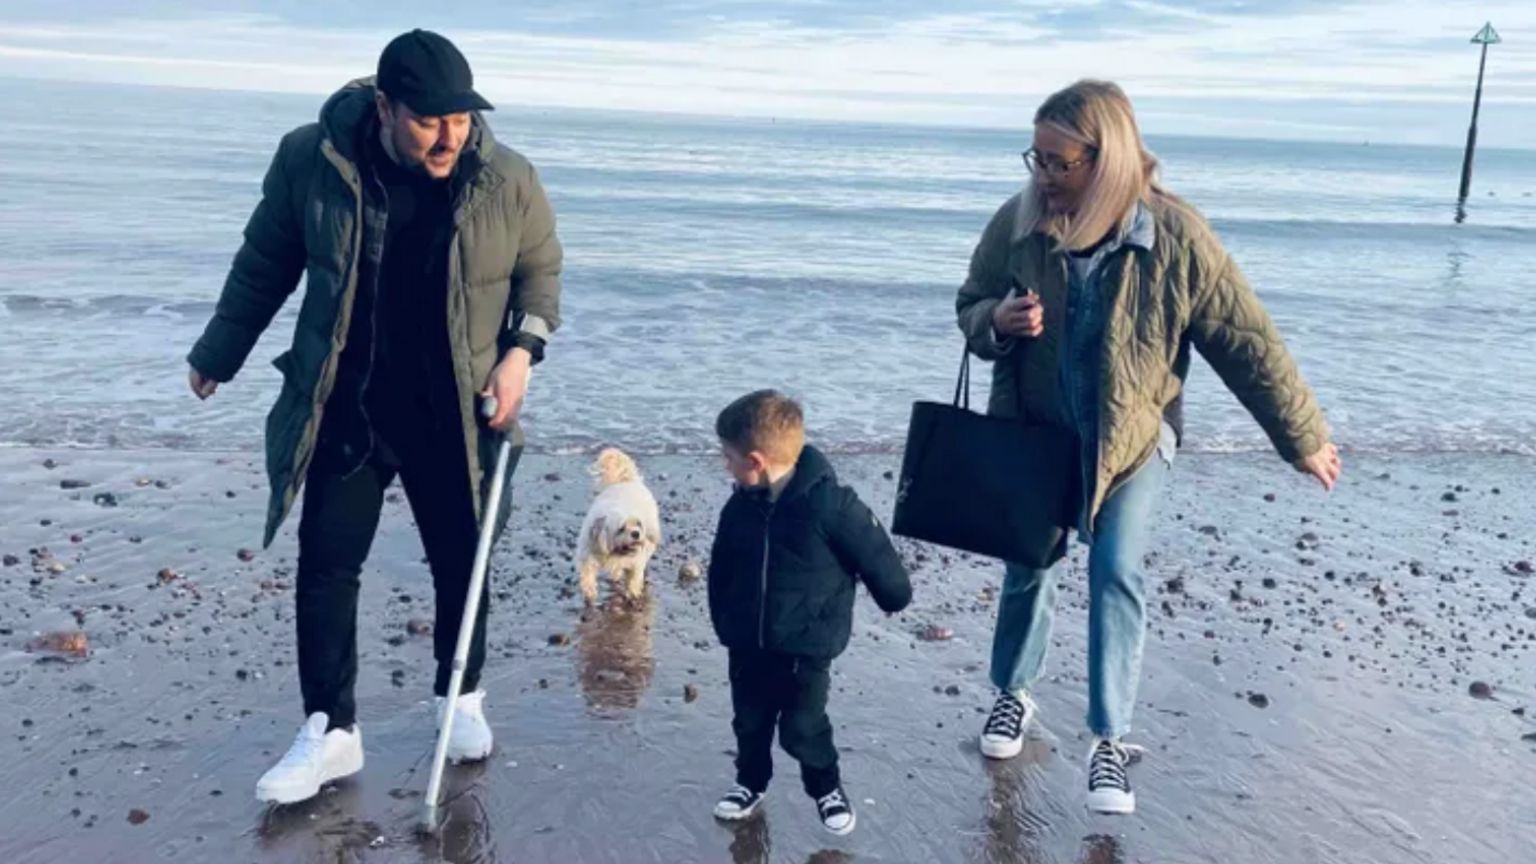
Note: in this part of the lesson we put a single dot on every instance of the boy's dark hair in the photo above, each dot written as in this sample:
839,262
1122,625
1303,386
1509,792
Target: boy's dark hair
766,421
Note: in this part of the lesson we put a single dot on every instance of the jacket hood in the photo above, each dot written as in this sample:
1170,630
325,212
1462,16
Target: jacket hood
811,469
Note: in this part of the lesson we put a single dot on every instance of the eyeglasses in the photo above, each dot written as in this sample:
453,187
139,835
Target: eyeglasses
1034,162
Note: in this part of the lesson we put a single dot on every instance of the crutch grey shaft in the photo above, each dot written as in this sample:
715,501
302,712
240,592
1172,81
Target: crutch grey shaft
467,623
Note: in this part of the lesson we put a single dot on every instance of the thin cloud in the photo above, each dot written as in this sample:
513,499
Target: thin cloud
981,62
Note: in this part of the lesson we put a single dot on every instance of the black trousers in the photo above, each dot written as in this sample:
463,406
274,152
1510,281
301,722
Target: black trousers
771,690
342,504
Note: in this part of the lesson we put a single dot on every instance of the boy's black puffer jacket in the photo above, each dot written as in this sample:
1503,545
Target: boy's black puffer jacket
782,573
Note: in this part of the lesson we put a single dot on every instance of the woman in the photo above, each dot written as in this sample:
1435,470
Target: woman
1088,289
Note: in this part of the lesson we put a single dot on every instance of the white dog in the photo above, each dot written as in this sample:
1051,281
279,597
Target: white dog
622,528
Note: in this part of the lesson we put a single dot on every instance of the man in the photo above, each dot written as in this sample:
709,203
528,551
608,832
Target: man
433,280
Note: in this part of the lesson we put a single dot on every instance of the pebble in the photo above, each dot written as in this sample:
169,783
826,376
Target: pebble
690,693
952,690
1269,582
105,499
559,639
167,576
1174,585
690,571
245,555
72,643
1480,690
1524,568
137,817
11,560
1258,700
935,633
73,484
418,627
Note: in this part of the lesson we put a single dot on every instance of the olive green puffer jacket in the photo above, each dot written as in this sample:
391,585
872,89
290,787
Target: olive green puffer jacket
503,275
1184,292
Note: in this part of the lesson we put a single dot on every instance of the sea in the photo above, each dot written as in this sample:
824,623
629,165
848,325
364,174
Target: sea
708,257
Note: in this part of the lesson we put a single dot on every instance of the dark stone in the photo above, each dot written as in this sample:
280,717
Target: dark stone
690,693
1480,690
1258,700
73,484
137,817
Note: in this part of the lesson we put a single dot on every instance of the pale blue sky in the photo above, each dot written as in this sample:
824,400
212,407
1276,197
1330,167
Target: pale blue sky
1380,70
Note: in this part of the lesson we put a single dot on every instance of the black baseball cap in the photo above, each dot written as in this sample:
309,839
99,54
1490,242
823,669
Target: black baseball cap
425,71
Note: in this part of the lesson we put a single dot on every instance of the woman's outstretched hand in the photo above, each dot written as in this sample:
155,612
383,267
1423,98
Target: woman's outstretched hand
1324,465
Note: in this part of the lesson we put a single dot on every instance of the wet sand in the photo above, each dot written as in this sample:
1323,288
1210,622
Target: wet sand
1308,687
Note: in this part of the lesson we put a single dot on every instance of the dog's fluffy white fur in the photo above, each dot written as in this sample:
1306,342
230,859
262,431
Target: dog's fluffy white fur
622,528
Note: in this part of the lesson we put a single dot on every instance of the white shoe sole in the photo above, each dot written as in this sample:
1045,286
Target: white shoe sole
293,794
460,757
1112,803
846,829
1001,748
739,815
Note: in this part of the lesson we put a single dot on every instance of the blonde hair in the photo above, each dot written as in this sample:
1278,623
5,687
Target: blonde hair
765,421
1098,115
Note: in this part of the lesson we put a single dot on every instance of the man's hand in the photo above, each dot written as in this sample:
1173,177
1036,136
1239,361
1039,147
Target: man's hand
509,384
1019,317
1324,465
202,387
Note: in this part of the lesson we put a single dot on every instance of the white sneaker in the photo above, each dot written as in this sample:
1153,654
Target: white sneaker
1003,736
470,739
1109,789
316,758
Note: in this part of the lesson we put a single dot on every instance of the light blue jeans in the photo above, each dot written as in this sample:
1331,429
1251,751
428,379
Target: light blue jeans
1117,610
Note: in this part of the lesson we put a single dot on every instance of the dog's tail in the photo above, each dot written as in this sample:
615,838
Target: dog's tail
614,466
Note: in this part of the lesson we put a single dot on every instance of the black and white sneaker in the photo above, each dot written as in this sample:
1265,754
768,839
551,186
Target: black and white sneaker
836,812
1003,736
1109,789
737,804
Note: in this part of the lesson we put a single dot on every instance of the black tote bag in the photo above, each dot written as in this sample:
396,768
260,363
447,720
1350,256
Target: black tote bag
990,485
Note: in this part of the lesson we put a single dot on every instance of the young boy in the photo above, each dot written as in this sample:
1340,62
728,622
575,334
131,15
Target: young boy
791,547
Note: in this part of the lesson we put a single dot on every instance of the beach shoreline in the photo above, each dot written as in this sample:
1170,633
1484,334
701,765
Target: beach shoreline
1307,691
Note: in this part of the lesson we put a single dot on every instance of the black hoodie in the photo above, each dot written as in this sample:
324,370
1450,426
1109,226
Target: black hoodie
782,573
